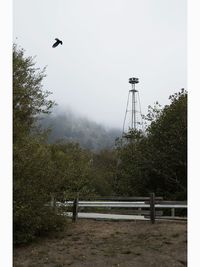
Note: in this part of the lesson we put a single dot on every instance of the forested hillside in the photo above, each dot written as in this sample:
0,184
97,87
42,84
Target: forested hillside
67,126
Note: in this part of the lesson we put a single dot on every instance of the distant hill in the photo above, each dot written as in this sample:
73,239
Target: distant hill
70,127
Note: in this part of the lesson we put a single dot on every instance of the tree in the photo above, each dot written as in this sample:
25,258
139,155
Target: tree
31,170
157,161
167,142
103,172
29,100
32,161
130,150
71,170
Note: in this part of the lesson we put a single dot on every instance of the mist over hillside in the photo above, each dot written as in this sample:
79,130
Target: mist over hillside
67,126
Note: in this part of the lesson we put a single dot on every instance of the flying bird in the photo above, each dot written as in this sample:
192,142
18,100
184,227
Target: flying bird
57,43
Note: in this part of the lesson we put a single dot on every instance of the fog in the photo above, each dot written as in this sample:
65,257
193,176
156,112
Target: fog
104,44
65,125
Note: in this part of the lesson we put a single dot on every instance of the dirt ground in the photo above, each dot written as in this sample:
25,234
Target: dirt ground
94,243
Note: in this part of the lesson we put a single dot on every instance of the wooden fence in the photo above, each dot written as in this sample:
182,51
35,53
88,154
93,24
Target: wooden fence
152,202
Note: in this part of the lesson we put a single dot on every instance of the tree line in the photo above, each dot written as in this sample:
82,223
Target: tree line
150,161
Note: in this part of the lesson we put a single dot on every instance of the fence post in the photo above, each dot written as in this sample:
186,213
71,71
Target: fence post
75,209
53,203
173,212
152,207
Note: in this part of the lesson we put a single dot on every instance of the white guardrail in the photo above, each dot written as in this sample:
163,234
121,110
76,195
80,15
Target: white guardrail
120,204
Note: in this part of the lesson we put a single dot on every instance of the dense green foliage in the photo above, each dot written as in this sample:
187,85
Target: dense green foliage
31,192
71,170
30,155
41,171
29,100
104,172
157,160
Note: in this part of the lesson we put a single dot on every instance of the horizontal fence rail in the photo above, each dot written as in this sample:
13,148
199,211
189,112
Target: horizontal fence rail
139,205
120,199
121,204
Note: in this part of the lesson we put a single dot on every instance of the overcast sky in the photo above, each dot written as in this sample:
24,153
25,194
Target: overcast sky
105,42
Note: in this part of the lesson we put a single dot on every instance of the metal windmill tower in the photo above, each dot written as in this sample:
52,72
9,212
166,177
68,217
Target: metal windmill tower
133,116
